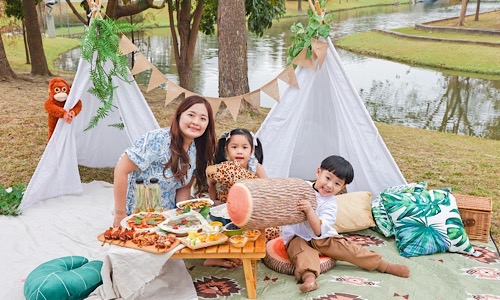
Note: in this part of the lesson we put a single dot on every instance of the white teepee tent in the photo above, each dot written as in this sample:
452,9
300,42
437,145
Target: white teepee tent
57,172
326,116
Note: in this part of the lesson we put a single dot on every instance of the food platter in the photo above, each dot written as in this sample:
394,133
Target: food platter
183,223
148,241
220,213
143,220
204,242
195,204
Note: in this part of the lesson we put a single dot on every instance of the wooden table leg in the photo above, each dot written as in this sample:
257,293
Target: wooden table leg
250,278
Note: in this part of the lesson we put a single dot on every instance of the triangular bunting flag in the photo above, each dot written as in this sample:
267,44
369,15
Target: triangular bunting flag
302,60
126,46
173,91
319,48
214,103
156,79
141,64
233,105
189,93
288,76
253,98
272,89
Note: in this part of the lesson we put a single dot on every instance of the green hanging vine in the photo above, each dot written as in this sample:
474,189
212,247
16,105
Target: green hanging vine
317,27
100,47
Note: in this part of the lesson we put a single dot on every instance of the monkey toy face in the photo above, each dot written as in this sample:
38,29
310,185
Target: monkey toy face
58,89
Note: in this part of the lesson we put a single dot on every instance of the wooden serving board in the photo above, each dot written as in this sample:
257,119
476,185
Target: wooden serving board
222,238
130,244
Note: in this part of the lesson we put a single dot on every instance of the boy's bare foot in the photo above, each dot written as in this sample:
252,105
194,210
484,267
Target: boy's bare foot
398,270
223,263
309,284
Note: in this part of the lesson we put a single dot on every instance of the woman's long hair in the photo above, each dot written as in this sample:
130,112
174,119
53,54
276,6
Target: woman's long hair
205,146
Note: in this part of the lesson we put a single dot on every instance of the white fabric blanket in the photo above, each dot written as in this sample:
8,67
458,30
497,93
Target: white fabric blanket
69,225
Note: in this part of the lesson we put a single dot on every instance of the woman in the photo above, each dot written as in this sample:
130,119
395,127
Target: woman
172,155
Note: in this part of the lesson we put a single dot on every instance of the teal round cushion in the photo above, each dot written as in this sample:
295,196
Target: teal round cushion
70,277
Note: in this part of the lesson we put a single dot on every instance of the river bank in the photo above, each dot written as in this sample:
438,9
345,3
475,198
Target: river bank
432,48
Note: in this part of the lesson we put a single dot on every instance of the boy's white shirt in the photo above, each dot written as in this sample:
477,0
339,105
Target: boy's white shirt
327,212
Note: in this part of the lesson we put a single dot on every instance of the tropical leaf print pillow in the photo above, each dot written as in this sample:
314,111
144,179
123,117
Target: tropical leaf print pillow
382,219
426,222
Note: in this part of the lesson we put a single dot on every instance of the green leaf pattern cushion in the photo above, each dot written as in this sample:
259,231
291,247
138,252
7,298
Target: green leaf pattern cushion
70,277
382,220
426,222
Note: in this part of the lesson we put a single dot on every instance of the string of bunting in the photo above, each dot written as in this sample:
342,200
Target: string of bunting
319,50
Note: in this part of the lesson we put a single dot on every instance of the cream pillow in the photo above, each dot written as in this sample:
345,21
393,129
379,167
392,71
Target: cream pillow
354,212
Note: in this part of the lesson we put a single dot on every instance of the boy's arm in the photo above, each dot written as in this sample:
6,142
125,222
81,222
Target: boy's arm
312,218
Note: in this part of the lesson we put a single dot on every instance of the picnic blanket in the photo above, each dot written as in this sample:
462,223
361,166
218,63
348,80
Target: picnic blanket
70,225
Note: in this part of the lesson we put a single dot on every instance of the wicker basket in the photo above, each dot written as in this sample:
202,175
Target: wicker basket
476,216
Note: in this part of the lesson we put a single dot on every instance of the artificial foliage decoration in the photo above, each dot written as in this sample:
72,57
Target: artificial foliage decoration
319,26
100,47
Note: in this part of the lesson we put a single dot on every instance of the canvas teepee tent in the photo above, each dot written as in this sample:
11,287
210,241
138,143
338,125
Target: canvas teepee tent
57,172
326,116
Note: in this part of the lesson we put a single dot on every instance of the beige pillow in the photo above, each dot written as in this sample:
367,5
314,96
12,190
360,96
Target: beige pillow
354,212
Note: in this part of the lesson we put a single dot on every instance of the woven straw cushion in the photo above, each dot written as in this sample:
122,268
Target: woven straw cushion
70,277
277,259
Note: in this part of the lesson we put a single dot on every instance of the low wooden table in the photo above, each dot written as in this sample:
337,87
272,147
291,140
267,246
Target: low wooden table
250,254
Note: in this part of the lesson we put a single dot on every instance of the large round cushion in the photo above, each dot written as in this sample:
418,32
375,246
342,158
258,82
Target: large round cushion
70,277
277,259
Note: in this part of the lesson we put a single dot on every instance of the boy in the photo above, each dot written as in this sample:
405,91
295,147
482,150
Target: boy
306,241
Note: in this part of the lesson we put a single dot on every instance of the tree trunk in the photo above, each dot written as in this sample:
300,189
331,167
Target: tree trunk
187,27
476,17
463,12
232,37
26,52
6,72
35,45
299,5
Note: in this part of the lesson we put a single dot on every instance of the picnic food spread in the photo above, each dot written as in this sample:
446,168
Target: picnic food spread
183,223
149,241
238,241
143,220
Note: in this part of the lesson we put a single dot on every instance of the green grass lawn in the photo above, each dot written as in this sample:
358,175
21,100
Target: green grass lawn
439,55
448,35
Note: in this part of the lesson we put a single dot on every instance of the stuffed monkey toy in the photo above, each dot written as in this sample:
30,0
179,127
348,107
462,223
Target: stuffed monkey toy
54,105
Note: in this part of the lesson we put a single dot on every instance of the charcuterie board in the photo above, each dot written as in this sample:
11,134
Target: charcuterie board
221,238
155,248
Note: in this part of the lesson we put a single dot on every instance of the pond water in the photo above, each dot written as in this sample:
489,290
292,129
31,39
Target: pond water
393,93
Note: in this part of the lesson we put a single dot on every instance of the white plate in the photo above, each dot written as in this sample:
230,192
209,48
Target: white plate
124,222
220,211
195,217
195,203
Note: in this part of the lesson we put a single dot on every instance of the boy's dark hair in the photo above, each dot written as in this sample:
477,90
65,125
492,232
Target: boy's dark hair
220,154
339,167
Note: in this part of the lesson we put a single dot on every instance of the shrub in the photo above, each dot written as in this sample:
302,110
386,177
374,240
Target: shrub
10,198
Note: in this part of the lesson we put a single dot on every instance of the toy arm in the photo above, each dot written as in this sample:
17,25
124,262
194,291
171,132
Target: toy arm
54,110
77,108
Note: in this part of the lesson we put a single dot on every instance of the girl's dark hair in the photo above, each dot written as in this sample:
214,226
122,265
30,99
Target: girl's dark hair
339,167
220,155
205,146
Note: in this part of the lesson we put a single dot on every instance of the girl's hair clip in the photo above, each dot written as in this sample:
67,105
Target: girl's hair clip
255,143
226,135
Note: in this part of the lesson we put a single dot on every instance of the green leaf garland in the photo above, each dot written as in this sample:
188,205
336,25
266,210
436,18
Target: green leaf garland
99,47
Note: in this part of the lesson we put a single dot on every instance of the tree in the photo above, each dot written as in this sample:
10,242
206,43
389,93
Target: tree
463,11
114,10
6,72
232,37
38,60
478,5
14,8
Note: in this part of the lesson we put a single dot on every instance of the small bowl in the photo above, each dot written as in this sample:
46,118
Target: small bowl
238,241
252,234
230,229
